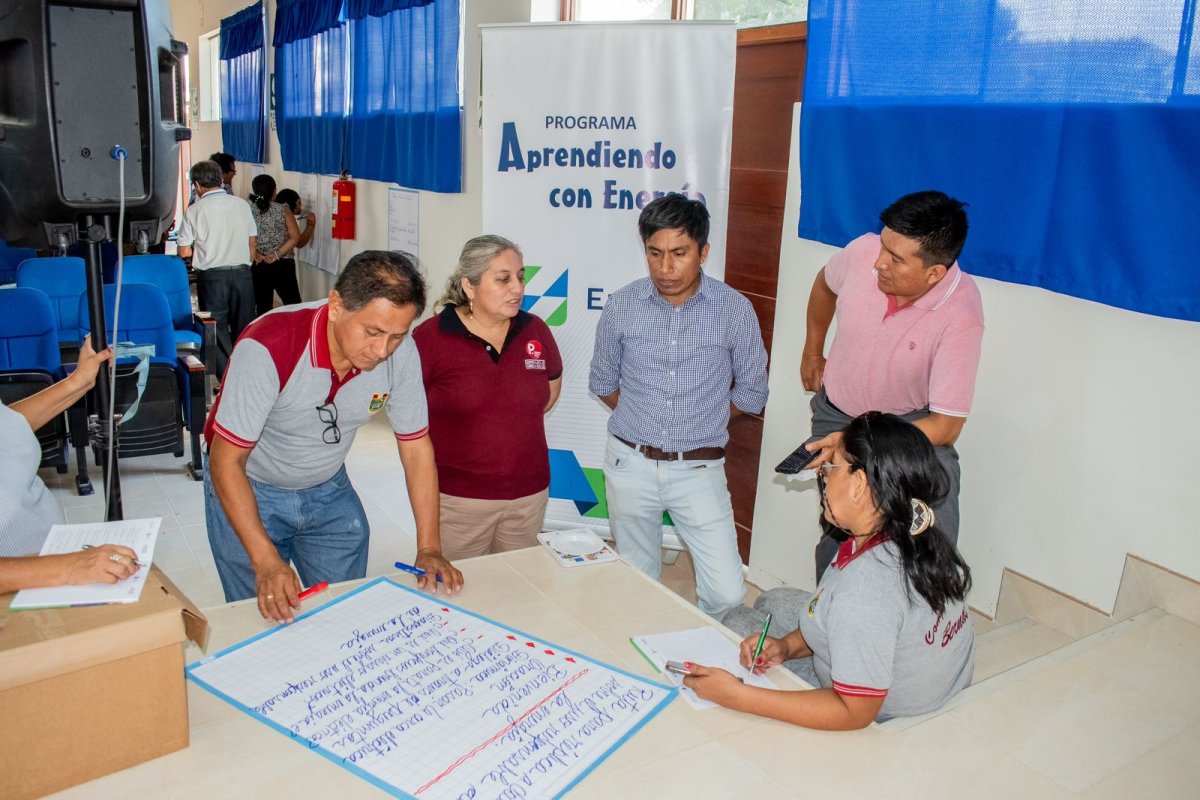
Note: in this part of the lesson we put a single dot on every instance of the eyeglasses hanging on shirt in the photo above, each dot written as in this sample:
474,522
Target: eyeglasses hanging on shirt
328,414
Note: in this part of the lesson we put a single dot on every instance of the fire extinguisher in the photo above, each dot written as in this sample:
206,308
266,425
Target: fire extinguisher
344,193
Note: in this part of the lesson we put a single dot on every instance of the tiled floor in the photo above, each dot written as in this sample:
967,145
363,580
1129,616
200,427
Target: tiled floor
1119,720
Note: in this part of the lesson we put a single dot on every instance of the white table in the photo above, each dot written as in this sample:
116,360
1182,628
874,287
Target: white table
595,610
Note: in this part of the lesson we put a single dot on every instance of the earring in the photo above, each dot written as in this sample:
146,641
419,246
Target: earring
922,517
471,309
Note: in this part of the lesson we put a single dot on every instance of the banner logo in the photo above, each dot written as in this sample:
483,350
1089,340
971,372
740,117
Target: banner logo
546,294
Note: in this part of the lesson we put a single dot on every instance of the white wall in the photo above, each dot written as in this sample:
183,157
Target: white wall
446,220
1081,446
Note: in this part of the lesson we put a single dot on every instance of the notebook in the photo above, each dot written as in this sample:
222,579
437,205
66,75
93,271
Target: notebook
139,535
706,646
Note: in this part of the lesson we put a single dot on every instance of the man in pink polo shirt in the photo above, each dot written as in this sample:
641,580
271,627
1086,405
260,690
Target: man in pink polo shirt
910,323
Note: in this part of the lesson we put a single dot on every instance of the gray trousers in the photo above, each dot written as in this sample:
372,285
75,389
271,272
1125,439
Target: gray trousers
785,605
828,418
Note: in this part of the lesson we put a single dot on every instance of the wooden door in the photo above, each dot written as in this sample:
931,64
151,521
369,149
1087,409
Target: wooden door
768,82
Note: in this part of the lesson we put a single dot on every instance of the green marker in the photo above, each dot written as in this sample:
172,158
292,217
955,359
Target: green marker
642,653
762,637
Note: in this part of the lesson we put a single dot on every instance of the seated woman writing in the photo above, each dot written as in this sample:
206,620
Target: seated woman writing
887,633
27,509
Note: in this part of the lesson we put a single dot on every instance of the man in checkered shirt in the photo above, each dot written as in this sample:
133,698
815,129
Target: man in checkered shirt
676,353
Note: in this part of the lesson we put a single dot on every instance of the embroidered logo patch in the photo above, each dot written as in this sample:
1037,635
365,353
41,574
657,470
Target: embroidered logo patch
812,606
533,349
912,345
377,401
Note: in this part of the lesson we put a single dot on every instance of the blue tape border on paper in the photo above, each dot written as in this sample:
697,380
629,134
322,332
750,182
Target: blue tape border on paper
392,789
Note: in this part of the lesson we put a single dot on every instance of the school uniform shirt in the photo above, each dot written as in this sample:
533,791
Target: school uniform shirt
487,407
872,636
278,375
27,509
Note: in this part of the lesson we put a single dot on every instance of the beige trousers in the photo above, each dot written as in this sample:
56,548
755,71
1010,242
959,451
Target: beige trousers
477,527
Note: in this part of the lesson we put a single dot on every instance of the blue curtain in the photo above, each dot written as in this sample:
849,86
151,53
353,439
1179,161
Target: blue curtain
310,84
243,74
1073,135
405,123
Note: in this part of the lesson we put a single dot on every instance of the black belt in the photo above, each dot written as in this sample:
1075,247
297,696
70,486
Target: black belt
654,454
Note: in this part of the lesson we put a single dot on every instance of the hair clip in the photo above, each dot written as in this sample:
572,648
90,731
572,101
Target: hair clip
922,517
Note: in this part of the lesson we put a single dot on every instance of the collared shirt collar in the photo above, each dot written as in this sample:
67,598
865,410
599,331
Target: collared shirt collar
647,290
846,553
938,295
450,322
319,355
934,298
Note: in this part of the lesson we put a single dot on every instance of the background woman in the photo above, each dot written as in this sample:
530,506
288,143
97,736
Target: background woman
274,269
887,633
291,199
491,371
27,509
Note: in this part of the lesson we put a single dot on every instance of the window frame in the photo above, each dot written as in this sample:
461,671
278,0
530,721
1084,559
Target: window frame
209,56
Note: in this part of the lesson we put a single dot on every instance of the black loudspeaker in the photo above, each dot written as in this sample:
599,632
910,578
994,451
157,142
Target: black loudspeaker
81,84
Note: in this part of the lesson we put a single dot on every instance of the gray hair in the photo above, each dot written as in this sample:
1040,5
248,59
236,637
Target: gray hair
477,256
207,173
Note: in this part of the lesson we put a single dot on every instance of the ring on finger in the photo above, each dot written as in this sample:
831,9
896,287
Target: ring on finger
270,597
117,557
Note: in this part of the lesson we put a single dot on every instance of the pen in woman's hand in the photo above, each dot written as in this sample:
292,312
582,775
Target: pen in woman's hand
116,556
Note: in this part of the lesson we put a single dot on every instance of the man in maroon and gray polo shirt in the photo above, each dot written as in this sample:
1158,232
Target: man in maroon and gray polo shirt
301,381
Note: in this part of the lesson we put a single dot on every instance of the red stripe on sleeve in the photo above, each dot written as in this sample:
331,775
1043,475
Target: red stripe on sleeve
233,439
408,437
858,691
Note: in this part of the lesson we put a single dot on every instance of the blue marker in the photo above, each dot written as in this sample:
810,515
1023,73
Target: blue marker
400,565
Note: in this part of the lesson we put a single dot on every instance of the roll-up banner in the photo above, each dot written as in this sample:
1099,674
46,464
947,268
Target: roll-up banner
583,125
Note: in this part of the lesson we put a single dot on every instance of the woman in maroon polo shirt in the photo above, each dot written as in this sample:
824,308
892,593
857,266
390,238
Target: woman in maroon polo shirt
492,372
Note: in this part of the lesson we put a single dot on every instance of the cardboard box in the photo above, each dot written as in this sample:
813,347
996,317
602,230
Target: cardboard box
89,691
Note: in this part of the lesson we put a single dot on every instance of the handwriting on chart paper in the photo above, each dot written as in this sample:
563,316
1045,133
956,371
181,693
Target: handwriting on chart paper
431,701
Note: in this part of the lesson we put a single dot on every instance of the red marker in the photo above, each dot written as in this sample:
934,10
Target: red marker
310,591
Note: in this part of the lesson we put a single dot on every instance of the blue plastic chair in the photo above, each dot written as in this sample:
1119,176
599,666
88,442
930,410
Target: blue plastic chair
30,362
175,388
62,279
10,259
169,274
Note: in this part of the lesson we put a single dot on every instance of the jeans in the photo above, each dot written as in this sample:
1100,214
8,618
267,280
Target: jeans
697,497
228,294
322,530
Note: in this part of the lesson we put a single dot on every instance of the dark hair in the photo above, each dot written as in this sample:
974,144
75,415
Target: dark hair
206,173
225,161
675,211
900,465
288,197
934,219
262,191
390,274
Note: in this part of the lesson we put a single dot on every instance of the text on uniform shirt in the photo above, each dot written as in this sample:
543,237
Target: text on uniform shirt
534,351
